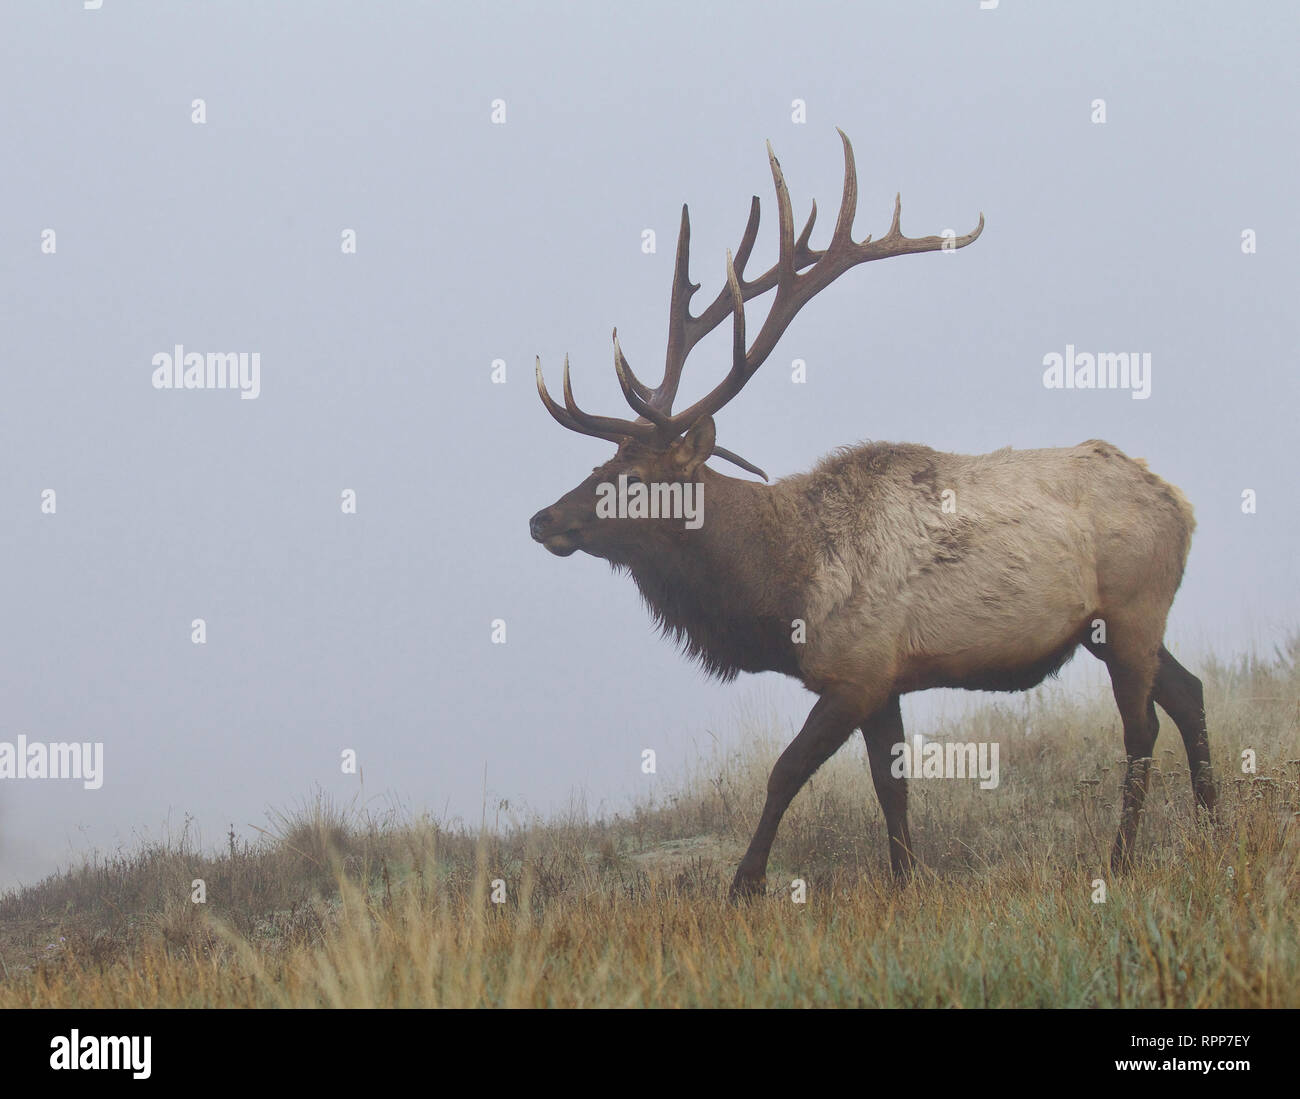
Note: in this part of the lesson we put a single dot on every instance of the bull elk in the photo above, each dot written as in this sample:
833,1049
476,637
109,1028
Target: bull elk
895,592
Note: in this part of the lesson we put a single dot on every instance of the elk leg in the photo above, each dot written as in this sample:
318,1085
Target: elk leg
1180,695
828,726
882,732
1131,678
1139,742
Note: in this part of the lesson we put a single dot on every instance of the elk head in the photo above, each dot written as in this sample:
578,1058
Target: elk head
666,448
575,521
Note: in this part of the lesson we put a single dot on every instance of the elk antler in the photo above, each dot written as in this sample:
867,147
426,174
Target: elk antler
657,423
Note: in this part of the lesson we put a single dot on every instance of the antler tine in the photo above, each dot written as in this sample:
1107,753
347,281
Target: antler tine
749,237
785,219
572,417
801,248
642,390
738,315
849,200
679,316
633,390
620,428
737,460
560,416
894,229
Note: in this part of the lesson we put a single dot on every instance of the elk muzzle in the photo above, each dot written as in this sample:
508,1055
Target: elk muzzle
544,529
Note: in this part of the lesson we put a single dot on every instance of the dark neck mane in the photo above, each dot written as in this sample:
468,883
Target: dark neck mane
716,592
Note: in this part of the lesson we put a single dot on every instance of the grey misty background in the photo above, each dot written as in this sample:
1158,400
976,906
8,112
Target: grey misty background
478,242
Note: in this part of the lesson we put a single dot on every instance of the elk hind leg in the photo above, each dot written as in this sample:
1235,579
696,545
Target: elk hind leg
881,732
1132,665
1180,695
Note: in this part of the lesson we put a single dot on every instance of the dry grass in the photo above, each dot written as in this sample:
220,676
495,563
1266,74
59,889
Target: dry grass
336,908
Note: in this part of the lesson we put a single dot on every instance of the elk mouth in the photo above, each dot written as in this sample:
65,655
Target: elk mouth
562,545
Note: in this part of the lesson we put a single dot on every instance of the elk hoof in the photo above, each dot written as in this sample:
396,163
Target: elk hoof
904,874
747,888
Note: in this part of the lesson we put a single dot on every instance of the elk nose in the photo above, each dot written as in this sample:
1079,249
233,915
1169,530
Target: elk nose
538,523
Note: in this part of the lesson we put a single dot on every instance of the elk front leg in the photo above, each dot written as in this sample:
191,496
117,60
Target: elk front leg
829,725
882,732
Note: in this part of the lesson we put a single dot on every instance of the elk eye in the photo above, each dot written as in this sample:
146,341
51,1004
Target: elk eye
633,479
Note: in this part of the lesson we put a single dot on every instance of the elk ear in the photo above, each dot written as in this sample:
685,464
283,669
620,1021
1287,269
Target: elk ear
694,448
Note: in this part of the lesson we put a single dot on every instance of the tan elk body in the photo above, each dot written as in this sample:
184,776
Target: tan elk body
888,568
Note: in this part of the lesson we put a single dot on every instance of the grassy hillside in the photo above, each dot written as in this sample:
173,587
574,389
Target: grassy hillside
342,909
